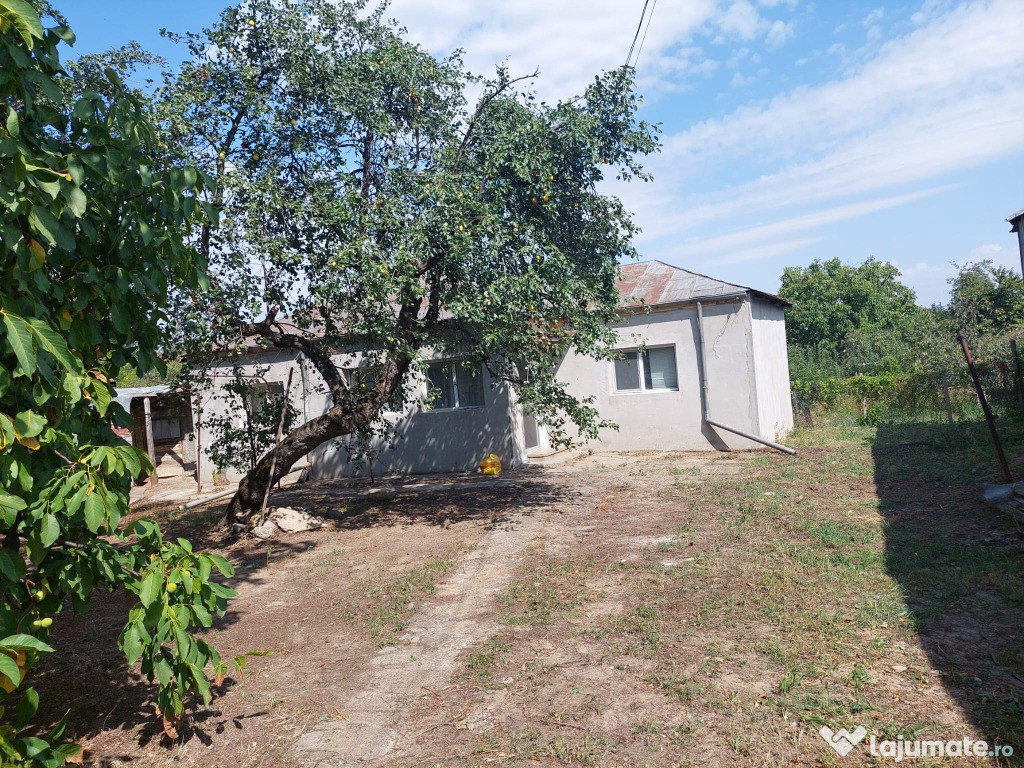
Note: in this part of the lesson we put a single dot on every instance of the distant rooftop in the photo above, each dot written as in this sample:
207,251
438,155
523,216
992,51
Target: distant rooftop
649,283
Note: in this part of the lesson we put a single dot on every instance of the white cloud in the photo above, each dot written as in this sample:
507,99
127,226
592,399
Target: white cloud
941,99
778,33
749,243
873,18
569,41
740,19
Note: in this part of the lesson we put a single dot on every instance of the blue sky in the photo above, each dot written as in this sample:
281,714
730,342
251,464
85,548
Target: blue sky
793,130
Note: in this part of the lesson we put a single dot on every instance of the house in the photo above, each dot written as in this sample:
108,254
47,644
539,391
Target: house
703,367
162,426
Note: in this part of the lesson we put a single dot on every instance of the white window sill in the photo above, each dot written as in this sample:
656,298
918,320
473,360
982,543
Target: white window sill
454,410
660,391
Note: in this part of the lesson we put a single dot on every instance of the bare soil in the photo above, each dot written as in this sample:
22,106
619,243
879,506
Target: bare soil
619,610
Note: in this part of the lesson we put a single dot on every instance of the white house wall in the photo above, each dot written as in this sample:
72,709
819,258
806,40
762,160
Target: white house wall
425,440
771,370
428,441
672,419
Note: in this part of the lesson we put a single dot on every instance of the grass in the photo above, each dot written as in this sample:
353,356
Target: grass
861,582
483,661
552,592
394,602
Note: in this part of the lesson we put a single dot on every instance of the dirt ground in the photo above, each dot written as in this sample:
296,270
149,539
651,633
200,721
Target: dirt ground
617,610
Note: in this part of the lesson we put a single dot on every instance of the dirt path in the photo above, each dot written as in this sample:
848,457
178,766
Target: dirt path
460,616
635,611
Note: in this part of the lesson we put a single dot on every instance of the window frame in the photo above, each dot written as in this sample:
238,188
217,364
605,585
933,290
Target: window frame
454,380
641,371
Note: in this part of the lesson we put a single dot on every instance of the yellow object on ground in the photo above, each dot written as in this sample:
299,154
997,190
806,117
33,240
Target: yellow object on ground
490,465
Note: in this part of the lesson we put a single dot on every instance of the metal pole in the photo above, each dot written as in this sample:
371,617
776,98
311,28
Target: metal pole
277,441
150,447
755,438
984,407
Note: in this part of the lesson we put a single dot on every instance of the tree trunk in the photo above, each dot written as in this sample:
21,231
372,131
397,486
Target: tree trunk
344,418
248,499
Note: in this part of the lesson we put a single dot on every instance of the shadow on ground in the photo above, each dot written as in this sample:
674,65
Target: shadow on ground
960,565
101,693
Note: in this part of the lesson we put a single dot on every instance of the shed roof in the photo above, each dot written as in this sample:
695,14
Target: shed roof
124,395
650,283
1015,220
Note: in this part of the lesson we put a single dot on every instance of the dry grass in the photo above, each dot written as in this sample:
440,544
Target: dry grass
679,611
708,618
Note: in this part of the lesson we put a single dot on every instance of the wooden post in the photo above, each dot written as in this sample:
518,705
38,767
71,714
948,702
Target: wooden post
1007,475
945,397
277,440
1016,373
150,445
198,425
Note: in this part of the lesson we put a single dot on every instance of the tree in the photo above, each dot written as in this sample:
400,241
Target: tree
831,300
368,214
986,298
93,234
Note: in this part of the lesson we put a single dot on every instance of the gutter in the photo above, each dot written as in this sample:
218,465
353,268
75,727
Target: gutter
705,402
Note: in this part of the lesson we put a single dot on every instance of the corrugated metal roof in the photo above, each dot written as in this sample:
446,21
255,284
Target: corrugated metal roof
650,283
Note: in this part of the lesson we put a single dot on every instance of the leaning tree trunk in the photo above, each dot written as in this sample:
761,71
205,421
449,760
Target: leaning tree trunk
344,418
248,499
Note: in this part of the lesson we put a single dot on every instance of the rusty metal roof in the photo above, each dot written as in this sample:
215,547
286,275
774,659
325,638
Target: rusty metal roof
650,283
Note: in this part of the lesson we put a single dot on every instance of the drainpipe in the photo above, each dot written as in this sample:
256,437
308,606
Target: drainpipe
706,403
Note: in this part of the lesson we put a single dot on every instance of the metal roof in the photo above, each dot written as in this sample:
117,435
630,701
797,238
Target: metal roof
1015,220
125,395
650,283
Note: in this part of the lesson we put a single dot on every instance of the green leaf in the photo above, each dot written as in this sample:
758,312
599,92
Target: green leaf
77,201
49,530
22,642
51,341
12,121
26,708
28,424
47,225
22,17
151,587
202,615
101,396
11,565
132,644
10,668
226,569
19,336
95,512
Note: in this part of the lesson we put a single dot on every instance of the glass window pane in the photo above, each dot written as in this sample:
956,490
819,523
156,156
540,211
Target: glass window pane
627,375
660,368
442,392
470,383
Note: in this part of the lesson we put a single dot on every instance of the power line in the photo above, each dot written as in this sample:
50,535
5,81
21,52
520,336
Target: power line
644,38
636,35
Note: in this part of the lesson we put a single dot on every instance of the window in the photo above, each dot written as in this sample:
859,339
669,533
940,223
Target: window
654,369
454,385
263,394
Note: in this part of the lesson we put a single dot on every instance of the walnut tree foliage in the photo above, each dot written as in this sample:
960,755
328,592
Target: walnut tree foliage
93,234
368,208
